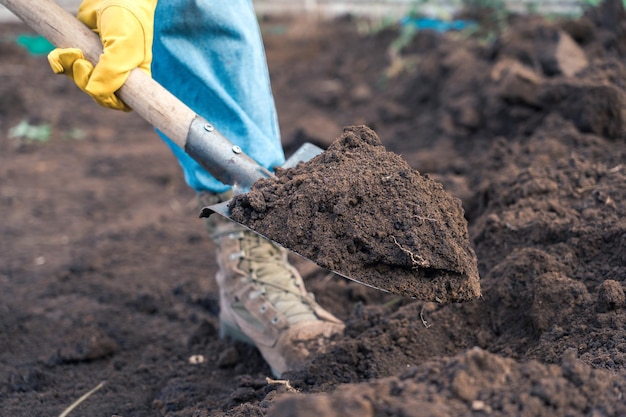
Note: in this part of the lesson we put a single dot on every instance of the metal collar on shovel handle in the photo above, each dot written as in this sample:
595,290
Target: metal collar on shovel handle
195,135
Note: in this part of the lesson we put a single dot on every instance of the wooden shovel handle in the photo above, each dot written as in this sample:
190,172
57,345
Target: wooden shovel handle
144,95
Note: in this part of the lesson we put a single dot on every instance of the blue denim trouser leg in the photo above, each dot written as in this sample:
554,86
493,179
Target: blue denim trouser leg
209,54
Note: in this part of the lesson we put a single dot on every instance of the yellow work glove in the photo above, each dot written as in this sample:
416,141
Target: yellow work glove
126,31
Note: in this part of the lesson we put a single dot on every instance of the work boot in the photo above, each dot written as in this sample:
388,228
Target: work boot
263,300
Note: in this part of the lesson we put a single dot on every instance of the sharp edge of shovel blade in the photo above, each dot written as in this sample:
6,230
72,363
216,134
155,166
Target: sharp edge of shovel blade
306,152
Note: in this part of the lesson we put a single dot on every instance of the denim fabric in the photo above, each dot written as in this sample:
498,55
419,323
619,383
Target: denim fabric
209,54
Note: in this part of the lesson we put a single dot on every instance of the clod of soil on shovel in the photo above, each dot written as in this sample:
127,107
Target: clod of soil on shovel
363,212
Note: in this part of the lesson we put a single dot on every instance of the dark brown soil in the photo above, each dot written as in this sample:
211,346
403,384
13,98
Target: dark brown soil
106,273
364,213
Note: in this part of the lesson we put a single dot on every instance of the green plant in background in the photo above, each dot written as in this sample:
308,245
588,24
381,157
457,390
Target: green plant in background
491,15
31,133
404,38
25,132
399,63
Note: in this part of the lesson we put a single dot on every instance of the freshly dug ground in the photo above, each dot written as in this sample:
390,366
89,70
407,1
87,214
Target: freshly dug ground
363,213
106,273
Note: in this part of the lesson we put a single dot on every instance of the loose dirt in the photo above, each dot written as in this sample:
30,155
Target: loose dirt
364,213
107,274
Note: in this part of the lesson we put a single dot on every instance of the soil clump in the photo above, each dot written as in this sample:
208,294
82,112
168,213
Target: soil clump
364,213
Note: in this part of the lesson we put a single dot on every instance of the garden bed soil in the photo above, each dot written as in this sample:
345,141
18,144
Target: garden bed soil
107,274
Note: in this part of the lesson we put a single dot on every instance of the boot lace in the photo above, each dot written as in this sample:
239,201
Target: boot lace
267,267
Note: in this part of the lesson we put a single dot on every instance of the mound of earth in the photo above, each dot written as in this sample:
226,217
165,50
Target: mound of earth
473,383
364,213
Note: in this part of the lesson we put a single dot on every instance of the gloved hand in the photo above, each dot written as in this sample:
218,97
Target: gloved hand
126,31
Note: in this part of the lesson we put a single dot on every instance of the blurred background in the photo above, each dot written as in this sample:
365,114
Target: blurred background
383,8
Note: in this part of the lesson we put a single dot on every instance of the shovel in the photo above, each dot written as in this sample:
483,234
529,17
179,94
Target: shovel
457,280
